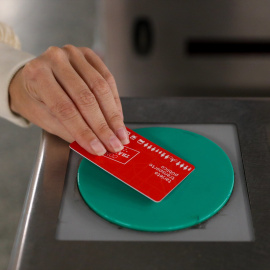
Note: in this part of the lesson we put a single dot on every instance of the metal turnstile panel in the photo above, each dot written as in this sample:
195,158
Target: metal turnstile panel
233,223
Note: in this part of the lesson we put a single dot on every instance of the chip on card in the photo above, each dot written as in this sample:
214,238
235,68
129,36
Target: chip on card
143,165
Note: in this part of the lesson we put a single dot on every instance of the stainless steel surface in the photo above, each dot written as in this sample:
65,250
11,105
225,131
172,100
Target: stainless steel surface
168,69
29,203
37,248
50,165
78,222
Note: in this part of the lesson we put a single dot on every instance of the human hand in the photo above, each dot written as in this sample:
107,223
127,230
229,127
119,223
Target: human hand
70,92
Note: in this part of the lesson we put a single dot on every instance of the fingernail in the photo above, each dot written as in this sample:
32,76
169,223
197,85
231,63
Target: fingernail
116,144
98,147
123,136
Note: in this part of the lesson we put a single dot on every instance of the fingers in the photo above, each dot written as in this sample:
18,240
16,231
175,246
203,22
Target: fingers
93,96
95,61
88,106
62,108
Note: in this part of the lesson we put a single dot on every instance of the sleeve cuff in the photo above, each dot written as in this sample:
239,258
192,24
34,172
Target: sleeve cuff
11,60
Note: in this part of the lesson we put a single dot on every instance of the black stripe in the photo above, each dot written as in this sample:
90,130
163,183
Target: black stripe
220,47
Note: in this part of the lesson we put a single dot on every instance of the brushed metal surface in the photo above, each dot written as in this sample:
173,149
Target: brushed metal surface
169,69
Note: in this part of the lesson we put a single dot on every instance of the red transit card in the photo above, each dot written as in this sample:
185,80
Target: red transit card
143,165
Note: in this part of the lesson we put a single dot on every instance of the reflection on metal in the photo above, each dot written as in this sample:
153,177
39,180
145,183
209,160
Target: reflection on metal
16,256
169,68
43,189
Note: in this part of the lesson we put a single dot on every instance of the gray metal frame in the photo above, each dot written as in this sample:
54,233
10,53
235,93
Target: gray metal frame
36,247
77,222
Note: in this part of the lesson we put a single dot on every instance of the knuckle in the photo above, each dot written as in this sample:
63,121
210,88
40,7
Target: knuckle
105,92
109,77
100,86
71,49
84,133
117,100
99,83
102,128
65,110
115,117
53,50
55,53
86,50
86,98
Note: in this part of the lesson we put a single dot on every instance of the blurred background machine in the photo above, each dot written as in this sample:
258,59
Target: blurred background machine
188,48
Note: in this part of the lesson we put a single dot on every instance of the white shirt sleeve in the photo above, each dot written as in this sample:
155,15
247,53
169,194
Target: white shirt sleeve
11,60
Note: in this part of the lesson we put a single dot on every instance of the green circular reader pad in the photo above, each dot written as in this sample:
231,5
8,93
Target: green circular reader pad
201,195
